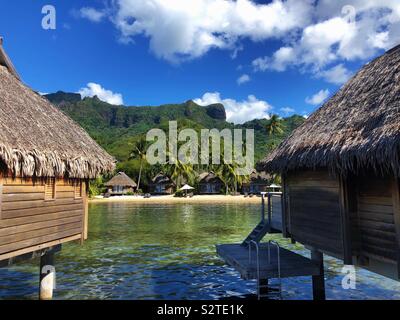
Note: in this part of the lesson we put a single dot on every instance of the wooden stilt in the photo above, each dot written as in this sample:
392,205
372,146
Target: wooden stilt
47,276
318,282
263,285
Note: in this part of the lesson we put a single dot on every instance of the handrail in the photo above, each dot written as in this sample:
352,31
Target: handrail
258,265
278,251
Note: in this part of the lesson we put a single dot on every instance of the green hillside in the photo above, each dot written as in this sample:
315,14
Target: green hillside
117,128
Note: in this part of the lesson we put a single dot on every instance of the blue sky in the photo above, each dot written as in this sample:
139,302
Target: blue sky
290,55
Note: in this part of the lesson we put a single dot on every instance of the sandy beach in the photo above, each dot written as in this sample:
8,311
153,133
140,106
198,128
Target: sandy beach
171,199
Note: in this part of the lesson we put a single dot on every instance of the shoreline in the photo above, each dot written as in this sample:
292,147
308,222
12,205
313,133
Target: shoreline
168,199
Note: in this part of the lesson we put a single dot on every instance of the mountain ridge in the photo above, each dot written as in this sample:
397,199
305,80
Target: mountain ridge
116,128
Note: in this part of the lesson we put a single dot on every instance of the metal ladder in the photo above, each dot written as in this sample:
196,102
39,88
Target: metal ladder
273,291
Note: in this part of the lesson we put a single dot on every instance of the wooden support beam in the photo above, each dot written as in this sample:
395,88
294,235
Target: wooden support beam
396,216
344,198
47,275
263,285
285,207
318,282
269,211
1,197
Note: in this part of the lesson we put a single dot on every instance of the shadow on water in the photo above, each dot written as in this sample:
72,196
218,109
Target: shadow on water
168,252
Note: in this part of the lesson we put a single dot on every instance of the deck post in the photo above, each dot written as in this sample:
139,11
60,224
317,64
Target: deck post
262,206
318,282
47,275
263,285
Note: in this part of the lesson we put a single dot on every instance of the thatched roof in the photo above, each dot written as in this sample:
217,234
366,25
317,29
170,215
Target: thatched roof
38,140
162,178
209,177
257,177
6,61
121,179
358,128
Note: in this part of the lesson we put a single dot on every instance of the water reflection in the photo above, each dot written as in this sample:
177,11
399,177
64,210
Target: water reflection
168,252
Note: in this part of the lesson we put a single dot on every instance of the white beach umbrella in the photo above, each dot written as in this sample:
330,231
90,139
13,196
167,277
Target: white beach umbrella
274,186
186,187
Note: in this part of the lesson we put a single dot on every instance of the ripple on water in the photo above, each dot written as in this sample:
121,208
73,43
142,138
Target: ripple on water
168,252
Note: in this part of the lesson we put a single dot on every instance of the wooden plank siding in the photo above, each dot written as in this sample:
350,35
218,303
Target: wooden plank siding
375,220
31,217
314,211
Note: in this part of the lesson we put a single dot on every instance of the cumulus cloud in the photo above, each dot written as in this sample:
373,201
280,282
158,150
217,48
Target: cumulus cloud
238,112
94,89
92,14
318,98
243,79
336,75
342,31
186,29
315,36
287,110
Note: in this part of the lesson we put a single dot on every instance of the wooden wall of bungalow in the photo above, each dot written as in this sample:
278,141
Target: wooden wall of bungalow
40,214
356,219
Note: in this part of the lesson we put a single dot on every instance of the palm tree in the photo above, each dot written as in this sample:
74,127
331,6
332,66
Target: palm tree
139,151
179,171
275,125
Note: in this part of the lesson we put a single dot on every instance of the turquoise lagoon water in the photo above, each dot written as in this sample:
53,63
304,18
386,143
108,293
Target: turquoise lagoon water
168,252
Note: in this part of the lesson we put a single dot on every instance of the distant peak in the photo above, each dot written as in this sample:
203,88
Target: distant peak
63,97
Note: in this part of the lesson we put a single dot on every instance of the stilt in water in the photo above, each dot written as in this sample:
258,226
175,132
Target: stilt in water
318,282
47,274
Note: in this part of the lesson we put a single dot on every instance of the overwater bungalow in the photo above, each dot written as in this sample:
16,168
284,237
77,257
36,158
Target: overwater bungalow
340,173
162,184
258,182
120,185
210,183
46,160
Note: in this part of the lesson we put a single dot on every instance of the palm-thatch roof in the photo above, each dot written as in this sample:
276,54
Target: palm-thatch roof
358,128
121,179
257,177
162,178
38,140
6,61
209,177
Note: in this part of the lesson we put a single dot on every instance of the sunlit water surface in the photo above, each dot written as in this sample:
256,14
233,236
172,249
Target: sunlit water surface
168,252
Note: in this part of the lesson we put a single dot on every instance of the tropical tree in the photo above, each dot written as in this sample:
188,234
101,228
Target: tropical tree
180,171
274,125
139,152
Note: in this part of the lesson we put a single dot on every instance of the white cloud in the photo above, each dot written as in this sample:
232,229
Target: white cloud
318,98
314,35
92,14
342,31
278,62
287,110
243,79
187,29
238,112
94,89
336,75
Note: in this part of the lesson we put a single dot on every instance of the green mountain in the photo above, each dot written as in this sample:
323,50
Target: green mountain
116,128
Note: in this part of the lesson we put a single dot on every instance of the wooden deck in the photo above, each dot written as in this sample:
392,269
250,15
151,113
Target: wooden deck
292,264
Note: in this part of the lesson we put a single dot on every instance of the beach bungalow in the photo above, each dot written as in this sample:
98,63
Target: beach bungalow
258,182
120,185
46,160
162,184
341,170
210,183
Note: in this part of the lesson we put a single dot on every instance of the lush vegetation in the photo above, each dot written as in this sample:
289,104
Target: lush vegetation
120,131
